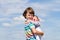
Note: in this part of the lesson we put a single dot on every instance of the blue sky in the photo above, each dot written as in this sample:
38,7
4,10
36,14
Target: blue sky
12,21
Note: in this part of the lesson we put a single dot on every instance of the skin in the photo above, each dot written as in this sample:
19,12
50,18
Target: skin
35,18
30,17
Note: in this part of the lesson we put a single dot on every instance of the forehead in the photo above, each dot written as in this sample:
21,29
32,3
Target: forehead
35,17
29,13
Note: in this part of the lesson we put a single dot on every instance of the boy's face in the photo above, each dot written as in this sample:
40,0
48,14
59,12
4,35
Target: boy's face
29,16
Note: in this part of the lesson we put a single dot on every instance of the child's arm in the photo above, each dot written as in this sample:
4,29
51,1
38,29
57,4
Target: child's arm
35,31
29,34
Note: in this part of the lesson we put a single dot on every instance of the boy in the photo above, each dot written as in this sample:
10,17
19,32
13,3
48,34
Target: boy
35,21
29,14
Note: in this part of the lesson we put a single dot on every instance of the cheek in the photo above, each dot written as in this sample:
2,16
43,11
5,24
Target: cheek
31,16
26,16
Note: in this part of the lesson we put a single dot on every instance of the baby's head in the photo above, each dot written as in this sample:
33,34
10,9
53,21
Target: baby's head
35,18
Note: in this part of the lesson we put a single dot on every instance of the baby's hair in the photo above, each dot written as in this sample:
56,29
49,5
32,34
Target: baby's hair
30,10
37,17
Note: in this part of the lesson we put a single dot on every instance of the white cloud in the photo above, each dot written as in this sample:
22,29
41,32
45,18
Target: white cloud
11,33
18,6
12,6
42,20
45,7
11,22
13,1
4,19
54,21
17,34
6,24
57,1
55,9
44,15
19,20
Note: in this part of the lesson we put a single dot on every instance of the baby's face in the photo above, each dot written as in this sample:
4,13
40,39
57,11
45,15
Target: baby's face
35,18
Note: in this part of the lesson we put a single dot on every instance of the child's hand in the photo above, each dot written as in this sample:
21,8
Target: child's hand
28,35
42,34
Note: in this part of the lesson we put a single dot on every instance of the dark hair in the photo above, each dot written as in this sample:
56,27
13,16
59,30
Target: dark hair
37,17
30,10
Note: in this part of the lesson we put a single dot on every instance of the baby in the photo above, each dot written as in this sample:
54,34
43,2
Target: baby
36,22
37,26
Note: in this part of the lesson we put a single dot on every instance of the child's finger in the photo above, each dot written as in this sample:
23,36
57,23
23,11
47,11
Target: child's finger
27,35
30,34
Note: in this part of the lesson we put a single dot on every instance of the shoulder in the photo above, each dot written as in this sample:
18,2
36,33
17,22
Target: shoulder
31,25
27,21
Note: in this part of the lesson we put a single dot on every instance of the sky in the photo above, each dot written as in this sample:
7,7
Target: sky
12,21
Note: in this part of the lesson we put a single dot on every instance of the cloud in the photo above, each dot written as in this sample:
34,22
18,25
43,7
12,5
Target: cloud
42,20
18,6
17,34
55,9
13,1
6,24
19,20
54,21
14,33
12,6
45,7
12,21
4,19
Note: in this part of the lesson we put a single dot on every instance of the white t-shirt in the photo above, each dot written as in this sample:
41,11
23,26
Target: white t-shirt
37,26
38,37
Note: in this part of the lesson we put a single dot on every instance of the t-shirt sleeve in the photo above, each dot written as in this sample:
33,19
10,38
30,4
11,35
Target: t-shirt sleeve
32,25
